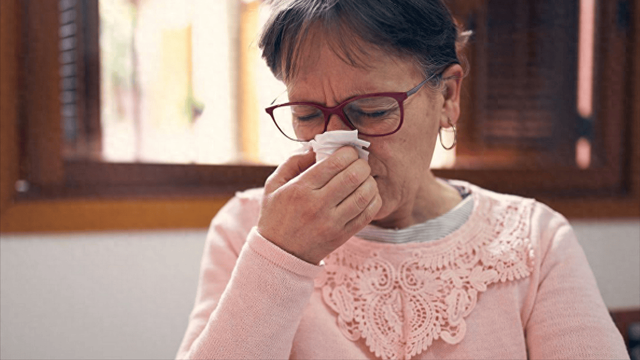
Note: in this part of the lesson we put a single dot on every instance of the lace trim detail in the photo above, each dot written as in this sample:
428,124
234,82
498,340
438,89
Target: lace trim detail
401,309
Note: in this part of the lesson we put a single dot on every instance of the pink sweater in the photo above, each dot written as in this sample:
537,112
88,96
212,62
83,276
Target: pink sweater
511,283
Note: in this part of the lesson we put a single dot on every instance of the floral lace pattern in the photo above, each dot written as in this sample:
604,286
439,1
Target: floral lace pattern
400,299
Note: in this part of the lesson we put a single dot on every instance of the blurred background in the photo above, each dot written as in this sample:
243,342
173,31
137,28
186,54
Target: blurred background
126,124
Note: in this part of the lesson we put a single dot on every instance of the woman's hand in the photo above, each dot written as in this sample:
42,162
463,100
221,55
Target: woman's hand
309,209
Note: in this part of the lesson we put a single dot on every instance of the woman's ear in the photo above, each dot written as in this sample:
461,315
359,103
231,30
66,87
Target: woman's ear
452,78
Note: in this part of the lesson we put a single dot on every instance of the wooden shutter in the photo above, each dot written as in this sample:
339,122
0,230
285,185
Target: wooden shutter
79,78
521,93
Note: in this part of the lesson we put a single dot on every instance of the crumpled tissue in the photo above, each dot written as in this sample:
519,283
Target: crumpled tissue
327,143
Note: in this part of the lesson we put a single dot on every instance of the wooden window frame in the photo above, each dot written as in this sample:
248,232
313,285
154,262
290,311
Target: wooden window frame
85,195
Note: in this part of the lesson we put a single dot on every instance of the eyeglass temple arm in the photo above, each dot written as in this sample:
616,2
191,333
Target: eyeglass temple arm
277,97
415,89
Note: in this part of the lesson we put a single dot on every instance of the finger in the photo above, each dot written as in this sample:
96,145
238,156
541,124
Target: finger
358,201
365,217
346,182
321,173
292,167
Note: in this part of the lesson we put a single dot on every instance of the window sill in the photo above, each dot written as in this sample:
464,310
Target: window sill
151,212
64,215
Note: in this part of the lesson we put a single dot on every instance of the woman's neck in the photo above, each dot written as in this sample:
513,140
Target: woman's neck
432,198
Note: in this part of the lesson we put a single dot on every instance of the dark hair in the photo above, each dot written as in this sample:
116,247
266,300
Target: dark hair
422,30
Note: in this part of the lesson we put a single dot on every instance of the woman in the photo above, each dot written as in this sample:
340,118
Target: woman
347,258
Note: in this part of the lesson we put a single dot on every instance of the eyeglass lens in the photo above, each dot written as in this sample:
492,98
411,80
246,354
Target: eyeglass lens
370,116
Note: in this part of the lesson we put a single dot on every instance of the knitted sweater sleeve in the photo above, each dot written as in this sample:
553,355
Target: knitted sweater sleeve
251,294
569,319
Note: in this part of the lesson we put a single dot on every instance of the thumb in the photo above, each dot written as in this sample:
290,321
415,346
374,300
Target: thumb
292,167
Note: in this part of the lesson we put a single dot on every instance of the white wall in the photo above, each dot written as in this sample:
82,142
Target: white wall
97,296
128,295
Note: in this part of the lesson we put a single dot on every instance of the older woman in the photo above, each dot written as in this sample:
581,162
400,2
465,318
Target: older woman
347,258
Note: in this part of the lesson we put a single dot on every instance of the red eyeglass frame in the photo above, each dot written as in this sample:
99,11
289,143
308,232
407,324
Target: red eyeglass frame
338,110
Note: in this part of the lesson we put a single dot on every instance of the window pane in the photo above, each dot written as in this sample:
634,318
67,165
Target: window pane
173,90
163,63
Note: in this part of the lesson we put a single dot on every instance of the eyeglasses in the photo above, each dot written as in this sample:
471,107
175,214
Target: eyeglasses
378,114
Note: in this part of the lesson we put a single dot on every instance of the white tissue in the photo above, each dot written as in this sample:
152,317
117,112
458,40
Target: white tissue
327,143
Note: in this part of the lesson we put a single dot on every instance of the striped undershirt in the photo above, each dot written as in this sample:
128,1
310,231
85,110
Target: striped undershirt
429,230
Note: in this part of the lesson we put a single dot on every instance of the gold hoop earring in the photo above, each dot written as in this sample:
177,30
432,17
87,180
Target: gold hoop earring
455,136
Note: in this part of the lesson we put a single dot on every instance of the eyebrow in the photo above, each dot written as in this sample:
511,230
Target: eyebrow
353,94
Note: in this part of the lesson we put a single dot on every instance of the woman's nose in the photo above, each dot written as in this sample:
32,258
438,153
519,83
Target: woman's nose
335,123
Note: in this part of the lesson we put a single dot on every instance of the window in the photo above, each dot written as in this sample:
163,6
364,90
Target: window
523,129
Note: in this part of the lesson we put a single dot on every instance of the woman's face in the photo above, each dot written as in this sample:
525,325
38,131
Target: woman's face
399,162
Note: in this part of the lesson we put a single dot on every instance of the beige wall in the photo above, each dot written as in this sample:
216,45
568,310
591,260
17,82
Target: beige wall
128,295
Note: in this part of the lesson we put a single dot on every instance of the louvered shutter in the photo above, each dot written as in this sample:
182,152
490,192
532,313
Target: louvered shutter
520,109
79,78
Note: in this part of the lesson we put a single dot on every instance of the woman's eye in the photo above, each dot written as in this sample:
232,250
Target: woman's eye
304,113
375,114
372,114
306,117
